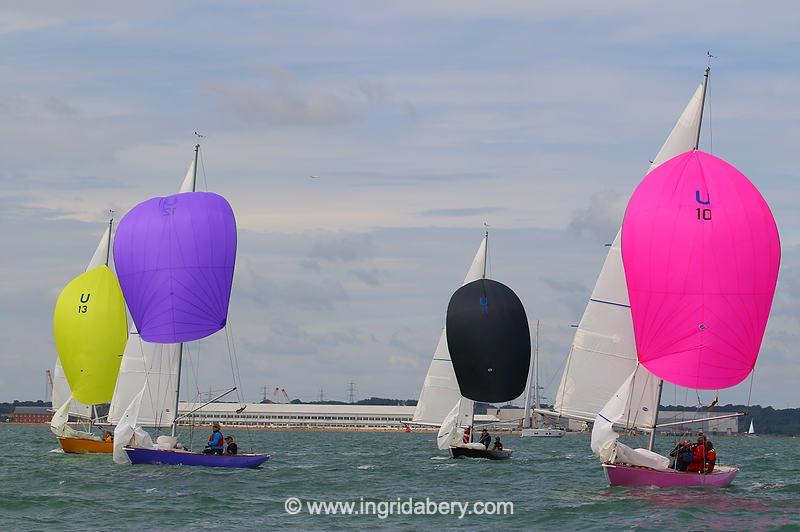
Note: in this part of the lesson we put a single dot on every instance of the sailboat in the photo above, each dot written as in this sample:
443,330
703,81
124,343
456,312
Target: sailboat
90,331
603,351
752,431
490,347
175,258
532,422
701,255
440,389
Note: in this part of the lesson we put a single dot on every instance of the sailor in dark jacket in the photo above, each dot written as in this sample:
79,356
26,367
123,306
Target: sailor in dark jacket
486,438
231,447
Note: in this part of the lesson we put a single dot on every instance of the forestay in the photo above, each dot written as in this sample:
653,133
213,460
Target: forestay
603,351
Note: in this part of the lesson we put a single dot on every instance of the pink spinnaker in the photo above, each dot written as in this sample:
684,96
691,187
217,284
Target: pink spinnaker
701,255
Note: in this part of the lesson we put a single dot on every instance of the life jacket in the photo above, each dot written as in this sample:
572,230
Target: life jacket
467,435
711,459
698,459
215,440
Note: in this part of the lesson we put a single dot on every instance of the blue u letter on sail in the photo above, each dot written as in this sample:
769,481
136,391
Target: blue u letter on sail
700,201
484,306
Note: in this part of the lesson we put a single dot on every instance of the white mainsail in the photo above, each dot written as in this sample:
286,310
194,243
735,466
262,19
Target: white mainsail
752,429
440,390
188,184
603,352
152,368
61,391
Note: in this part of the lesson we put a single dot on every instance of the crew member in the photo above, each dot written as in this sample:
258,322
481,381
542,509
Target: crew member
486,438
215,443
230,445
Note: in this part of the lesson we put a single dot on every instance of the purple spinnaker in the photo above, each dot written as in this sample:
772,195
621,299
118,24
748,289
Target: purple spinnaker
174,258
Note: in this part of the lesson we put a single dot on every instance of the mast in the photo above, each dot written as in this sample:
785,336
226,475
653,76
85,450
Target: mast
485,253
702,106
108,249
651,442
652,439
180,347
526,420
536,372
472,404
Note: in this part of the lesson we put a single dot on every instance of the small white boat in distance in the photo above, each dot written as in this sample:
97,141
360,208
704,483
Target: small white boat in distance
532,422
543,433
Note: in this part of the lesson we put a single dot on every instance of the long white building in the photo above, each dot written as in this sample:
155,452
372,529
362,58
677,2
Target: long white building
270,415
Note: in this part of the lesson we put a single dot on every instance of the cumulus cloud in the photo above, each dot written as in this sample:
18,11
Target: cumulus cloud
280,99
603,216
267,291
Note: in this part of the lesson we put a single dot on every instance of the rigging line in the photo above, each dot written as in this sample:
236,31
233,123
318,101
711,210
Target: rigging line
710,124
203,167
750,391
248,428
230,358
195,366
146,374
236,360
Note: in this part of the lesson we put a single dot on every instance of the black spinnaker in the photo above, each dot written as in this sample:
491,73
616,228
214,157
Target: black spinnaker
489,341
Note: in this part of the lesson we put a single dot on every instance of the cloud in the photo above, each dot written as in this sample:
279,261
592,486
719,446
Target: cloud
602,218
475,211
267,291
342,247
370,277
281,100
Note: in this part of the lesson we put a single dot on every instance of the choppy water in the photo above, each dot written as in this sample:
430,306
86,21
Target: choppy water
555,484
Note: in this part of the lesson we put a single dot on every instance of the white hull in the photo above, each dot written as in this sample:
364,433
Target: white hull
543,433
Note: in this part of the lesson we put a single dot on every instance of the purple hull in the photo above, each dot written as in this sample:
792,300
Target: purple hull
156,456
623,475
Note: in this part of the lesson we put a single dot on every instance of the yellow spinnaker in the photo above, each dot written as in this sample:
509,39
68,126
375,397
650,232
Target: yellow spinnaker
90,330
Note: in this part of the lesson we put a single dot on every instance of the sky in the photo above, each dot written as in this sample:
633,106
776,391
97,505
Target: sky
424,120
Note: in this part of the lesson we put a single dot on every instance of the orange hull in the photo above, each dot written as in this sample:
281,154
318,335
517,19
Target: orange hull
81,445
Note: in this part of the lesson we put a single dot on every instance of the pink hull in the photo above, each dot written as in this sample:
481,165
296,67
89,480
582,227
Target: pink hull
622,475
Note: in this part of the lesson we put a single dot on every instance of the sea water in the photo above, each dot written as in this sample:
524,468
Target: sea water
553,484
